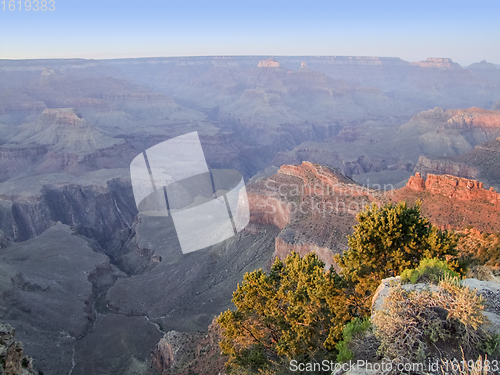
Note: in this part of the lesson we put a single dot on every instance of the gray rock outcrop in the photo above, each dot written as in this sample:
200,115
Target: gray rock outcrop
12,358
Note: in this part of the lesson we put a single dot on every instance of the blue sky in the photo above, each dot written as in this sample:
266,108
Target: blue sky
413,30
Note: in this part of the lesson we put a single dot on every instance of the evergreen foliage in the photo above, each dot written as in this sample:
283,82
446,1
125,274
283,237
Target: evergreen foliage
428,271
387,241
293,312
298,310
354,328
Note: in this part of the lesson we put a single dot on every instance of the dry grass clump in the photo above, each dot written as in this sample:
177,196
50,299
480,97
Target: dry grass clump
464,367
464,308
414,324
409,322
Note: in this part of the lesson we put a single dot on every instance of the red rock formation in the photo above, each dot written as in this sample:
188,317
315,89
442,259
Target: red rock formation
314,207
453,187
416,182
266,210
474,117
452,202
440,166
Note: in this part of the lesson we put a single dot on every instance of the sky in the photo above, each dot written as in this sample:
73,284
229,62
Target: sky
467,32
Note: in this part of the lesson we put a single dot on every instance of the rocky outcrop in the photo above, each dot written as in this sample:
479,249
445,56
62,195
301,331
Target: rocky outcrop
451,202
12,358
269,63
438,62
453,187
64,131
184,353
426,166
474,117
313,205
265,210
457,119
416,182
447,134
98,206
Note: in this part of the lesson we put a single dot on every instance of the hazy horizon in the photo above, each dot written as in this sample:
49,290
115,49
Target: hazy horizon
275,57
126,29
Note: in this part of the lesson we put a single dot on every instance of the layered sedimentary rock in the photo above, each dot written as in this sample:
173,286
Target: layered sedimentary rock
312,205
438,62
474,117
453,187
427,165
65,131
452,202
98,204
480,163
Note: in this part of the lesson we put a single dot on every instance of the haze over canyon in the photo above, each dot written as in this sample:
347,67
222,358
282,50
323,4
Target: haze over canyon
91,285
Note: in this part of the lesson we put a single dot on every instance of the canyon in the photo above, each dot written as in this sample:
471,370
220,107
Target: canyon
92,286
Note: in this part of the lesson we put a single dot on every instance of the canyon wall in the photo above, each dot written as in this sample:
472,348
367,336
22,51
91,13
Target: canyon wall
453,187
313,206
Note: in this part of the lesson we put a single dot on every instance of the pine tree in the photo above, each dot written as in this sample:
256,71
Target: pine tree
385,242
293,312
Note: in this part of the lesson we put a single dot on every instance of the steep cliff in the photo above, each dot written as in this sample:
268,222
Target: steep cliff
439,166
98,204
313,206
452,202
447,133
482,162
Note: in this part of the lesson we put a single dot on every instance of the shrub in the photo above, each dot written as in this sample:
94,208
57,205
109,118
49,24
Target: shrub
295,311
408,323
412,322
358,341
464,308
428,271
